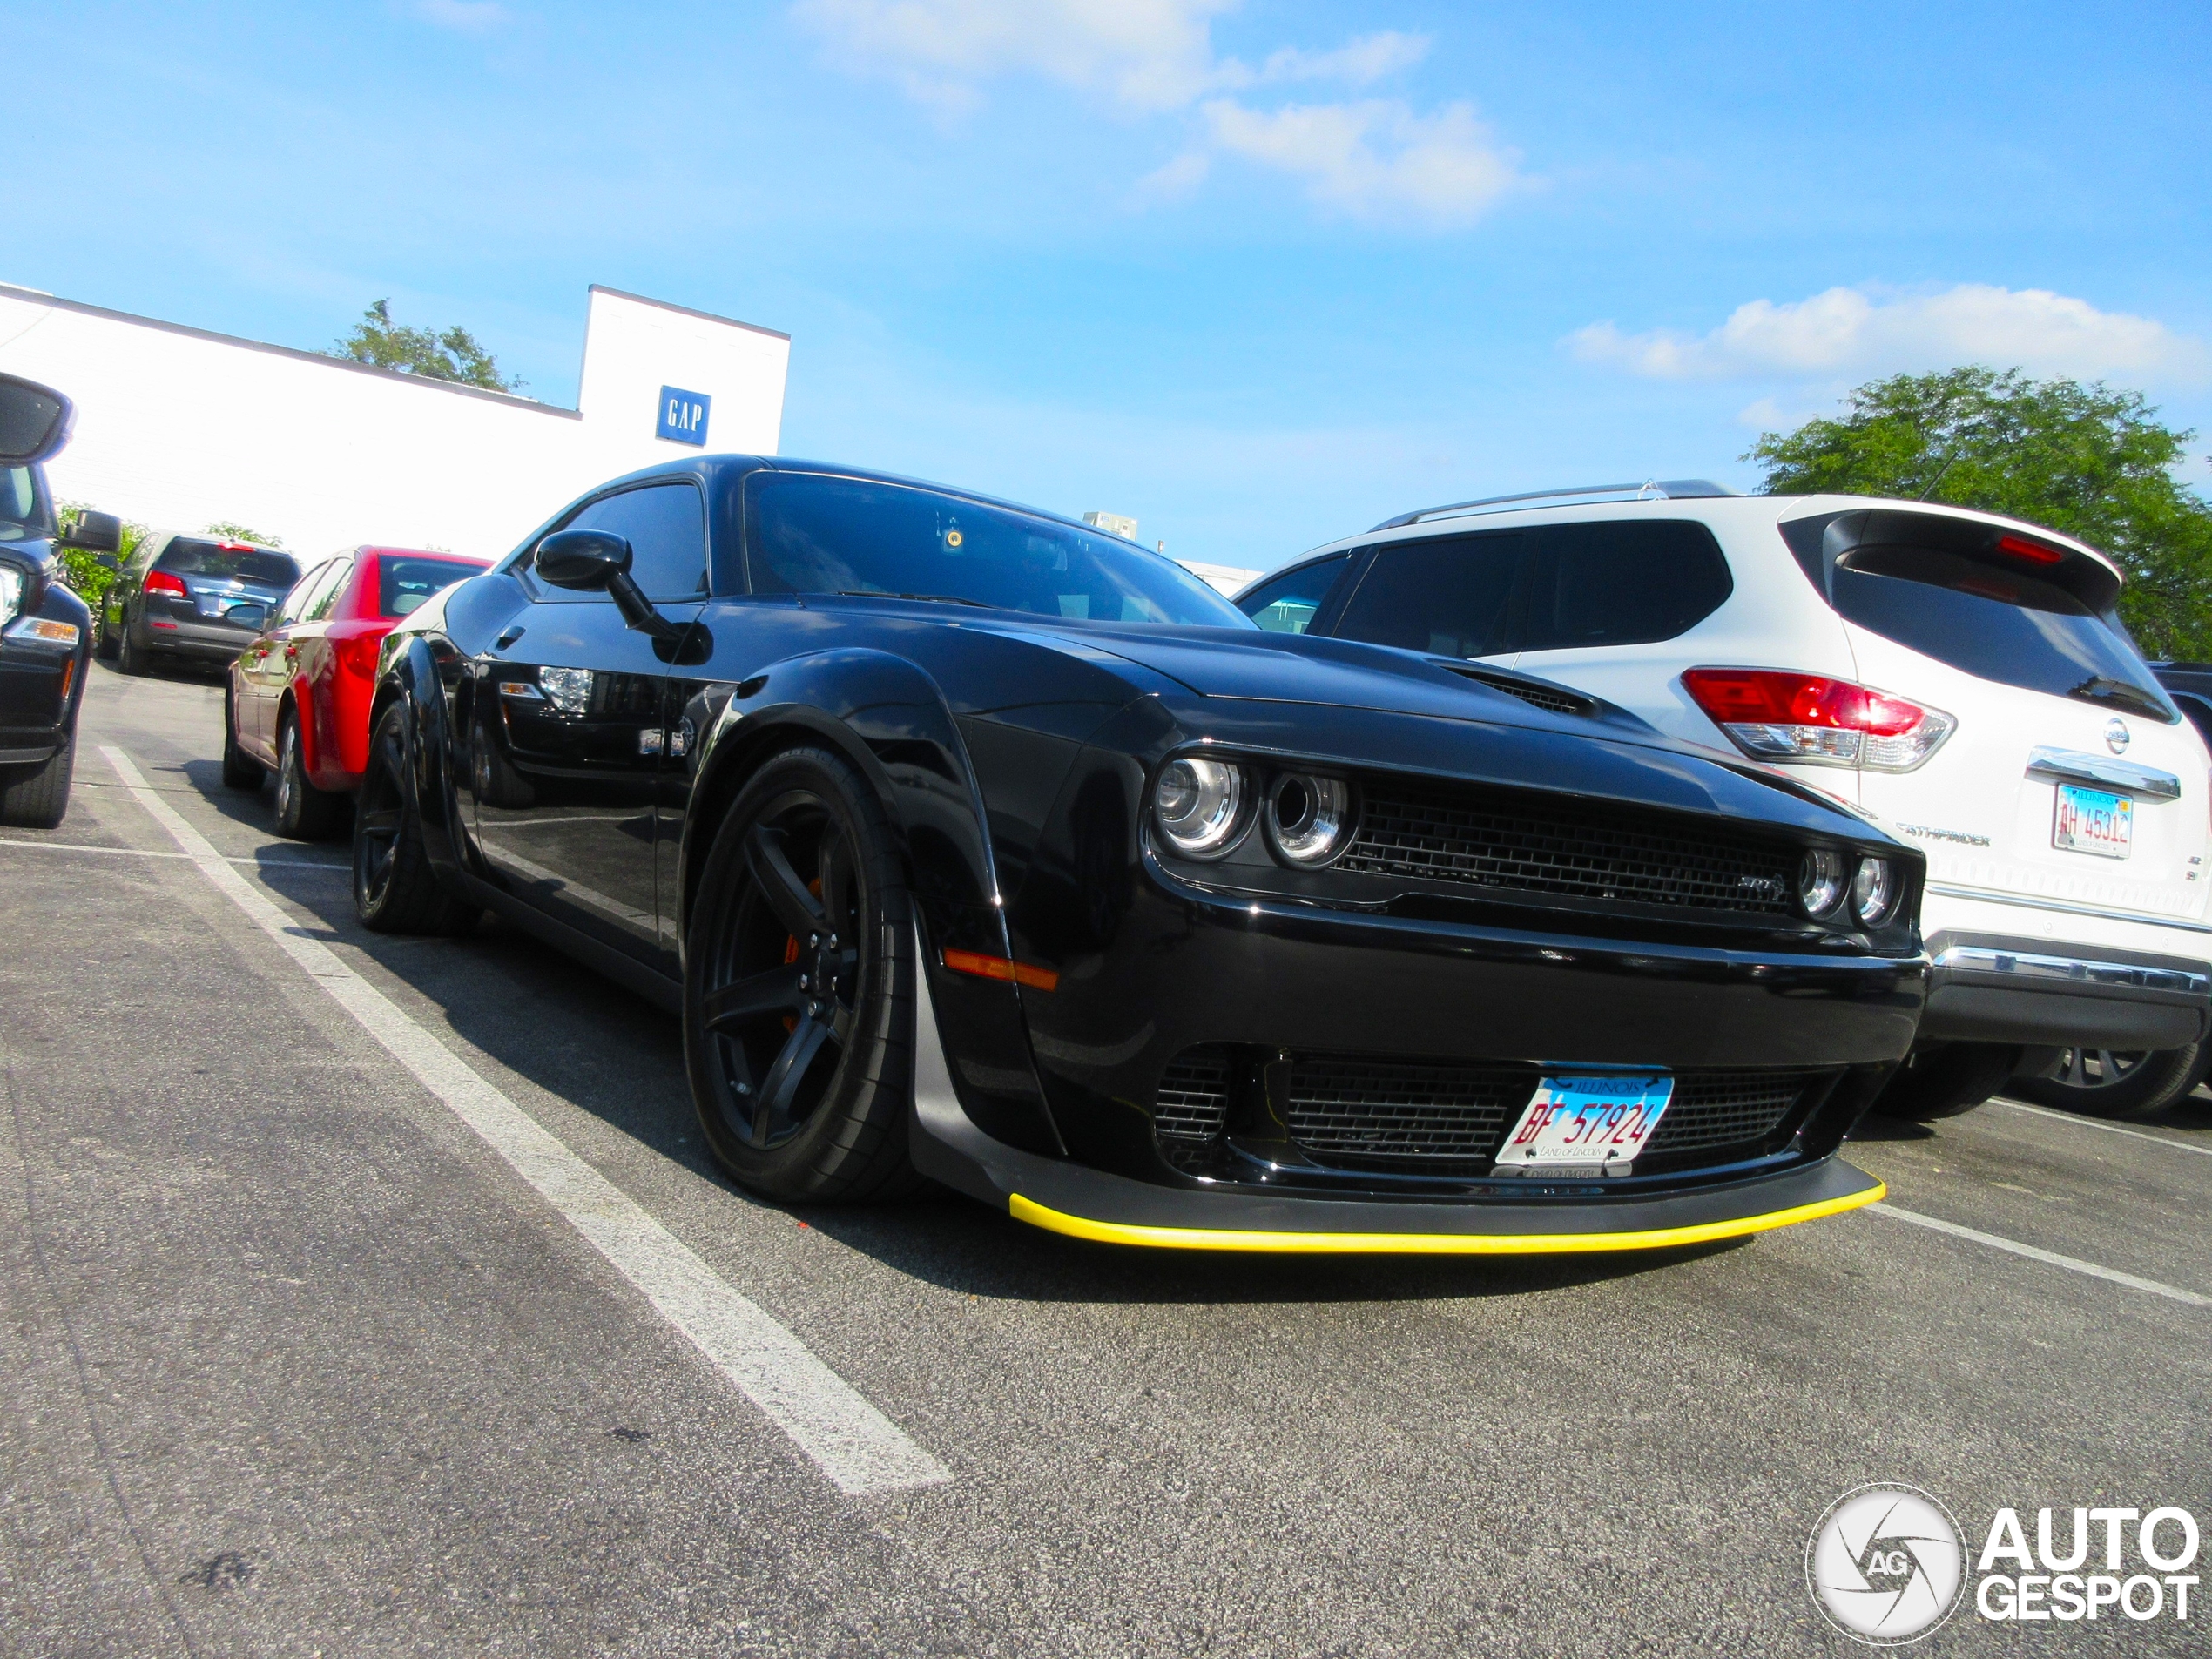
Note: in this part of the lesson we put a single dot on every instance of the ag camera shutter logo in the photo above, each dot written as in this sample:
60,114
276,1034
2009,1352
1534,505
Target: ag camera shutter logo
1886,1565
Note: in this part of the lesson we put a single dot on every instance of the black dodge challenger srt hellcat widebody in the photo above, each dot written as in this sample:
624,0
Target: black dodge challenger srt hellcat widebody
976,845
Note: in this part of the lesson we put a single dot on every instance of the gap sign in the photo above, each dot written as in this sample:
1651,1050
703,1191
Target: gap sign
683,415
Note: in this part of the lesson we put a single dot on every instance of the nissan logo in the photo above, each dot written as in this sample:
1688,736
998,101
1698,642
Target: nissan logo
2116,735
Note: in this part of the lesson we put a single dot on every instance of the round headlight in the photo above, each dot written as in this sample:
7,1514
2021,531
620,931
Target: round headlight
1820,882
1198,806
1874,891
1308,818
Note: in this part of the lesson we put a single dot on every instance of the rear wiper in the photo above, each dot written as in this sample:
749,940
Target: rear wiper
927,598
2102,688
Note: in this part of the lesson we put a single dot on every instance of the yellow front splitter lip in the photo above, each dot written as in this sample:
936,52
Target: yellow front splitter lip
1118,1232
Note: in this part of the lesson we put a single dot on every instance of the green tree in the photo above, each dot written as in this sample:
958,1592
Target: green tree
231,530
453,355
2088,461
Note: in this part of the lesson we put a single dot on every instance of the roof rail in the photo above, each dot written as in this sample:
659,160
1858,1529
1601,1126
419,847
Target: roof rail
1651,489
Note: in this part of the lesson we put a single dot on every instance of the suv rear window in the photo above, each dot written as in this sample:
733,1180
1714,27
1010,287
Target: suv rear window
1939,587
187,557
404,584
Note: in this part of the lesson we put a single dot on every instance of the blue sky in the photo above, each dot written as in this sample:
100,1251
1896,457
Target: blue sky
1256,274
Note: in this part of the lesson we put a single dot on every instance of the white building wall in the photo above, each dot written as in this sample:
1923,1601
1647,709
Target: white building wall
178,427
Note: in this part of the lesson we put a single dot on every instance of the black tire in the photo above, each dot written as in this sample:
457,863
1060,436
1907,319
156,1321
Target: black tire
129,656
1946,1079
803,1097
37,797
104,639
240,770
303,811
2104,1083
395,891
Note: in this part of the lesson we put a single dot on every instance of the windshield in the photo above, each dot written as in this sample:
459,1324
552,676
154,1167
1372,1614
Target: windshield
23,505
2015,628
404,584
230,561
809,533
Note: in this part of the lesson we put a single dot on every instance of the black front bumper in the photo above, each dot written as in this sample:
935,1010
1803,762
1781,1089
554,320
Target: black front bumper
1986,988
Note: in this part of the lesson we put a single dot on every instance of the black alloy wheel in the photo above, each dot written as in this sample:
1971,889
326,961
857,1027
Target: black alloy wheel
303,812
240,770
798,994
395,889
2106,1083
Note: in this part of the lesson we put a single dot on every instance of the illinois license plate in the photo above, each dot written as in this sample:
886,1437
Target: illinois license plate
1592,1125
2093,820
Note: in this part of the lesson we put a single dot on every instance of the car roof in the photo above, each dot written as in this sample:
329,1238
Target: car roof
1777,509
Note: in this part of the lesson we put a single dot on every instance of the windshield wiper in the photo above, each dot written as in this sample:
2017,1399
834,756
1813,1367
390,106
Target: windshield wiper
927,598
2102,688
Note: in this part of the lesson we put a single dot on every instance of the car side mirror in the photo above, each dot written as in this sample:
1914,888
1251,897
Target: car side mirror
584,561
589,560
253,617
109,562
35,421
96,533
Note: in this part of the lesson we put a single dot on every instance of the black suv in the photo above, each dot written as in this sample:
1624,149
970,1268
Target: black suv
44,627
199,598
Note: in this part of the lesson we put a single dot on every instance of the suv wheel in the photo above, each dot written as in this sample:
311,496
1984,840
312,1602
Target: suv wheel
2103,1083
129,656
37,797
1946,1079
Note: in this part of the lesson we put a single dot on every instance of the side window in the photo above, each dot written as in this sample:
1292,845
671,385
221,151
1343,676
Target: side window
302,595
1453,596
1615,584
1287,604
665,526
322,594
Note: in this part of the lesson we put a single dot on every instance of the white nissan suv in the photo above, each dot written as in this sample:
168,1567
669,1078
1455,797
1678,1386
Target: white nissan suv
1961,679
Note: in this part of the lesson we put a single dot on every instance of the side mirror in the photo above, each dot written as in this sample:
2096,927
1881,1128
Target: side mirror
34,421
97,533
584,560
253,617
109,562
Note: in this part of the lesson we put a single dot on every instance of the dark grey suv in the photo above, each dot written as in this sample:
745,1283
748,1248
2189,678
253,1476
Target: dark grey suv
193,597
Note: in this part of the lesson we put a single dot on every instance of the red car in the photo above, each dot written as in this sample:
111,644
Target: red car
297,704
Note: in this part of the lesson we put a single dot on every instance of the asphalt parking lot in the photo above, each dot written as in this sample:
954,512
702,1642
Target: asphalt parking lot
297,1362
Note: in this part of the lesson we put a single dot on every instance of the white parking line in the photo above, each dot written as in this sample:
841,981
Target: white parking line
2109,1129
2071,1263
143,853
858,1448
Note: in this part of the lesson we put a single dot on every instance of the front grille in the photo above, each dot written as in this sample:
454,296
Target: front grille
1509,842
1394,1109
1726,1109
1193,1096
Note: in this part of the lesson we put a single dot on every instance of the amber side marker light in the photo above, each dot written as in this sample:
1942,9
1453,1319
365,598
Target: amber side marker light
1002,967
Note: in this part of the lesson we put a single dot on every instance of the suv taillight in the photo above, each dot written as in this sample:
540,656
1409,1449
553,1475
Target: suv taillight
1774,714
162,582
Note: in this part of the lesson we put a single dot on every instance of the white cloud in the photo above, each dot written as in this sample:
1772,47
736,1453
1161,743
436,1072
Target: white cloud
1177,181
470,16
1375,159
1846,331
1359,63
1149,54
